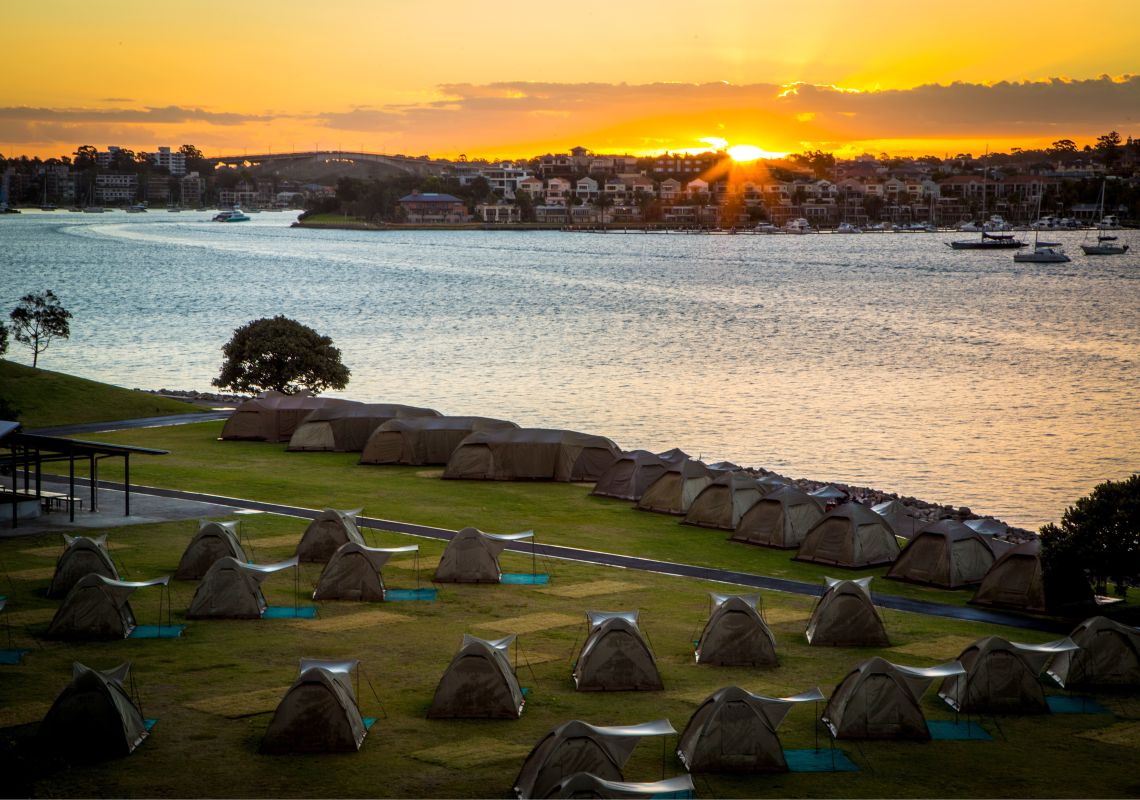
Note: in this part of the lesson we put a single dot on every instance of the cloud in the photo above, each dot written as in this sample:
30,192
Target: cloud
167,115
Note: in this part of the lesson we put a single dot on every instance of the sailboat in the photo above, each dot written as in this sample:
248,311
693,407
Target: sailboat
1043,252
1105,243
989,241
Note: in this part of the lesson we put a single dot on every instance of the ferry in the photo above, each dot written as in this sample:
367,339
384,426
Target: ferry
236,215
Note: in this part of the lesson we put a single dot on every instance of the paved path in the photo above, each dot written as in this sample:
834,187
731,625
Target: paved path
125,424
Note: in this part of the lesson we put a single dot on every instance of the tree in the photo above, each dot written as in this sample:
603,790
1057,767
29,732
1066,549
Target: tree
1109,147
1063,147
3,338
85,156
38,319
281,354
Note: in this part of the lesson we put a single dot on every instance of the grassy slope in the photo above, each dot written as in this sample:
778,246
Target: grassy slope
52,398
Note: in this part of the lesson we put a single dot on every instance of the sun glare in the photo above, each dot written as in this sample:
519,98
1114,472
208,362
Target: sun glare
745,152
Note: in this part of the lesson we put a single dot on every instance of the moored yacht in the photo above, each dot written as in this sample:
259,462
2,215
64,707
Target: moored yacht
797,225
847,227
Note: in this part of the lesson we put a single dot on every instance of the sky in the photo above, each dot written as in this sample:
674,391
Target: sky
515,79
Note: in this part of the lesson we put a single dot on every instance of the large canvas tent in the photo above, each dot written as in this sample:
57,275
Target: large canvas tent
1001,677
1109,655
1015,580
213,540
273,416
723,502
420,441
780,518
346,428
735,731
538,454
988,526
319,713
232,590
577,746
81,556
900,516
846,617
328,531
473,556
94,718
98,608
479,683
946,554
675,491
631,475
353,572
583,784
615,656
735,634
850,535
880,700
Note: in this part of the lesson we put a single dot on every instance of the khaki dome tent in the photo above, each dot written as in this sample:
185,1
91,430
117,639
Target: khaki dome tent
328,531
845,616
945,554
473,556
880,700
346,428
583,784
213,540
723,502
675,491
478,683
98,608
735,635
1001,677
1109,656
1015,580
577,746
420,441
631,475
615,656
81,556
353,572
273,416
850,535
988,526
94,718
829,494
319,713
538,454
232,590
780,518
901,518
735,731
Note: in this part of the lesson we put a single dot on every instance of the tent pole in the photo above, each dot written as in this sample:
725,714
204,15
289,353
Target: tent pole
126,484
71,485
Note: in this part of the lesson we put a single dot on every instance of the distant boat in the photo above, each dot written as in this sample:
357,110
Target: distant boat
138,208
767,227
235,215
1105,243
847,227
797,225
1043,252
989,241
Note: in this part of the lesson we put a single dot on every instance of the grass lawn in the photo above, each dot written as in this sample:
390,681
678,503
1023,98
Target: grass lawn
213,691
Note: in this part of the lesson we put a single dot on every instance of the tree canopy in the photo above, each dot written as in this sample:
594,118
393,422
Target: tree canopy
281,354
38,319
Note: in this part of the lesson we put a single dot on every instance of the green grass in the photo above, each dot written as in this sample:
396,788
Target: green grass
44,398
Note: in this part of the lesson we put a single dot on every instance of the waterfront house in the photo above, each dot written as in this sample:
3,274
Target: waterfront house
530,186
586,189
670,190
433,208
557,192
498,212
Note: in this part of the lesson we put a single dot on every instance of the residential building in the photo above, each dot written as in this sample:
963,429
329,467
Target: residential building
557,192
115,188
669,190
433,208
586,189
496,213
193,191
174,161
530,186
504,179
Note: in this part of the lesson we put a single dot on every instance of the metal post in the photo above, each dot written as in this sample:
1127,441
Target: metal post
15,505
127,484
93,474
71,484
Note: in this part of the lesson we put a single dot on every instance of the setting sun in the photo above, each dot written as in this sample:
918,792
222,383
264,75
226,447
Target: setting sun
745,152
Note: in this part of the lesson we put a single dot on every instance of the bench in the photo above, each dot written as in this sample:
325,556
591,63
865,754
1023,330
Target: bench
59,501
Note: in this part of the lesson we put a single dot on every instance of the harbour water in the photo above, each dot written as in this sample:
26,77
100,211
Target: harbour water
880,360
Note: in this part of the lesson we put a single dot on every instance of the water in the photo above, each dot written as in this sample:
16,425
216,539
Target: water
881,360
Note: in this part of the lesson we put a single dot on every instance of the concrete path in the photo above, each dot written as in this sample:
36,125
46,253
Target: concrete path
127,424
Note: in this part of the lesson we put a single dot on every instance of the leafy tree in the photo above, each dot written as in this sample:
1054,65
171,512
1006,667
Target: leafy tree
38,319
526,207
1063,147
3,338
123,160
1108,146
282,354
85,156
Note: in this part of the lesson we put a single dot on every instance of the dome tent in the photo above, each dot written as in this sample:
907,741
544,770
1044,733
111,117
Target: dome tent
880,700
850,535
328,531
723,502
478,683
675,491
735,731
900,516
1001,677
1016,580
82,555
318,714
1109,656
353,572
845,616
273,416
615,656
631,475
735,634
232,590
531,454
420,441
98,608
473,556
577,746
213,540
946,554
94,718
345,428
780,518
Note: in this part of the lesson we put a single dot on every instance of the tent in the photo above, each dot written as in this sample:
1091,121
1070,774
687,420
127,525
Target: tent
473,556
213,540
674,456
1109,656
880,700
81,556
945,554
577,746
1001,677
631,475
346,428
829,494
615,656
850,535
735,635
583,784
780,518
1015,580
232,590
94,718
845,616
539,454
675,491
98,608
328,531
273,416
723,502
479,683
424,440
988,526
735,731
319,713
900,516
353,572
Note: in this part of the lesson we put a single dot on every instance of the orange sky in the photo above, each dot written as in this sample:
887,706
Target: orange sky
516,78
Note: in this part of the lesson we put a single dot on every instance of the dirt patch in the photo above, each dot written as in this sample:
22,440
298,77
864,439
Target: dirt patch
352,622
592,589
529,623
472,752
246,704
